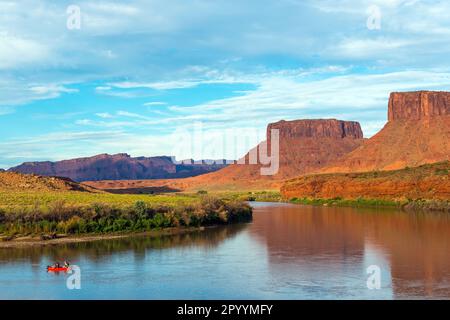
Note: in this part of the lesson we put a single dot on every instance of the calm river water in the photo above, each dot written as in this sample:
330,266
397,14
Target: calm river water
287,252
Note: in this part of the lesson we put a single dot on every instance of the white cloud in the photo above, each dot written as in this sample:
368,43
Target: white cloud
154,103
376,48
17,52
104,115
51,90
360,97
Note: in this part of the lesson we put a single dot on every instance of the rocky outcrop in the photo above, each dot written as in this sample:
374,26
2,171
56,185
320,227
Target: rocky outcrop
117,167
418,105
418,132
308,145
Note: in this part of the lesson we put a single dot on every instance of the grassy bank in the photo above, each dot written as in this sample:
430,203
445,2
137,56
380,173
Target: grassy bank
407,205
258,196
74,213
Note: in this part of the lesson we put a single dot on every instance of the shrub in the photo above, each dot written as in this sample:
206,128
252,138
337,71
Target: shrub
75,225
62,217
140,209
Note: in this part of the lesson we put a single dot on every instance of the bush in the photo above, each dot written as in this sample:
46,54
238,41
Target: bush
140,209
75,225
59,217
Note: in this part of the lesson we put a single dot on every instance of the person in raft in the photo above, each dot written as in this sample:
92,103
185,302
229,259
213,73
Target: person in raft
66,264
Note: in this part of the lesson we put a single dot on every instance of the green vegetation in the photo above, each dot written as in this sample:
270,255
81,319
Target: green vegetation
428,205
48,214
259,196
442,172
407,205
339,202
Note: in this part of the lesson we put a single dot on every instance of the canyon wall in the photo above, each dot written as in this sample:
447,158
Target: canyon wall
418,105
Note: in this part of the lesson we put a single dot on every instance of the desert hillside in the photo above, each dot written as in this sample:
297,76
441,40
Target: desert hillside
417,132
430,181
11,182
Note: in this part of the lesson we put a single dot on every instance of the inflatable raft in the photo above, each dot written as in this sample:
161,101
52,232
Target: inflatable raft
60,269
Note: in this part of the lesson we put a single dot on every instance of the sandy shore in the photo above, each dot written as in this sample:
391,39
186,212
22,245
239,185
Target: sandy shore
36,241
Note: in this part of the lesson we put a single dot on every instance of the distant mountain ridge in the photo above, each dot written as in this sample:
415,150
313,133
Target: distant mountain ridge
120,167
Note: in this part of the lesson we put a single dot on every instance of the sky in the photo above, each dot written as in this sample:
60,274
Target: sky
203,78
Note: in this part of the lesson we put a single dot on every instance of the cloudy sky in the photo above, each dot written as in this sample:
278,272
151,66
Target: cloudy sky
202,78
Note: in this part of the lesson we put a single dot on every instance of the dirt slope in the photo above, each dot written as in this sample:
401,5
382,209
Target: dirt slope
11,181
430,181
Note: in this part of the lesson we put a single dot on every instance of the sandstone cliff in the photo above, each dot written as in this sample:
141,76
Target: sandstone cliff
418,105
417,132
116,167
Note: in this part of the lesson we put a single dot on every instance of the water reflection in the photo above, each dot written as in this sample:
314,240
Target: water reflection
413,248
98,251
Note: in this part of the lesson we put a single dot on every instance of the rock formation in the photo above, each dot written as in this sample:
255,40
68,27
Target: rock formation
418,105
417,132
308,145
304,146
117,167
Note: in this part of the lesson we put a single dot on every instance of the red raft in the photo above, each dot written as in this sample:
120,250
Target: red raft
60,269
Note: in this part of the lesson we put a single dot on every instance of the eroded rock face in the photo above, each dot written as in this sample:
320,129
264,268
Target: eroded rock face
307,145
418,105
330,128
116,167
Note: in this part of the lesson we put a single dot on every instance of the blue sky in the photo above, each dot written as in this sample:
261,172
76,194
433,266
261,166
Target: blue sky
202,78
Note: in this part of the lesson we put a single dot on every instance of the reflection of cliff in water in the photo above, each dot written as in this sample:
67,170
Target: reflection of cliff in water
304,232
138,245
416,245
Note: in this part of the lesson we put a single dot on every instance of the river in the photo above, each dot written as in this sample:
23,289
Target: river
287,252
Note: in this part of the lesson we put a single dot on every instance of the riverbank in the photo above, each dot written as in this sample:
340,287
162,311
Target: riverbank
426,187
33,241
37,216
408,205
